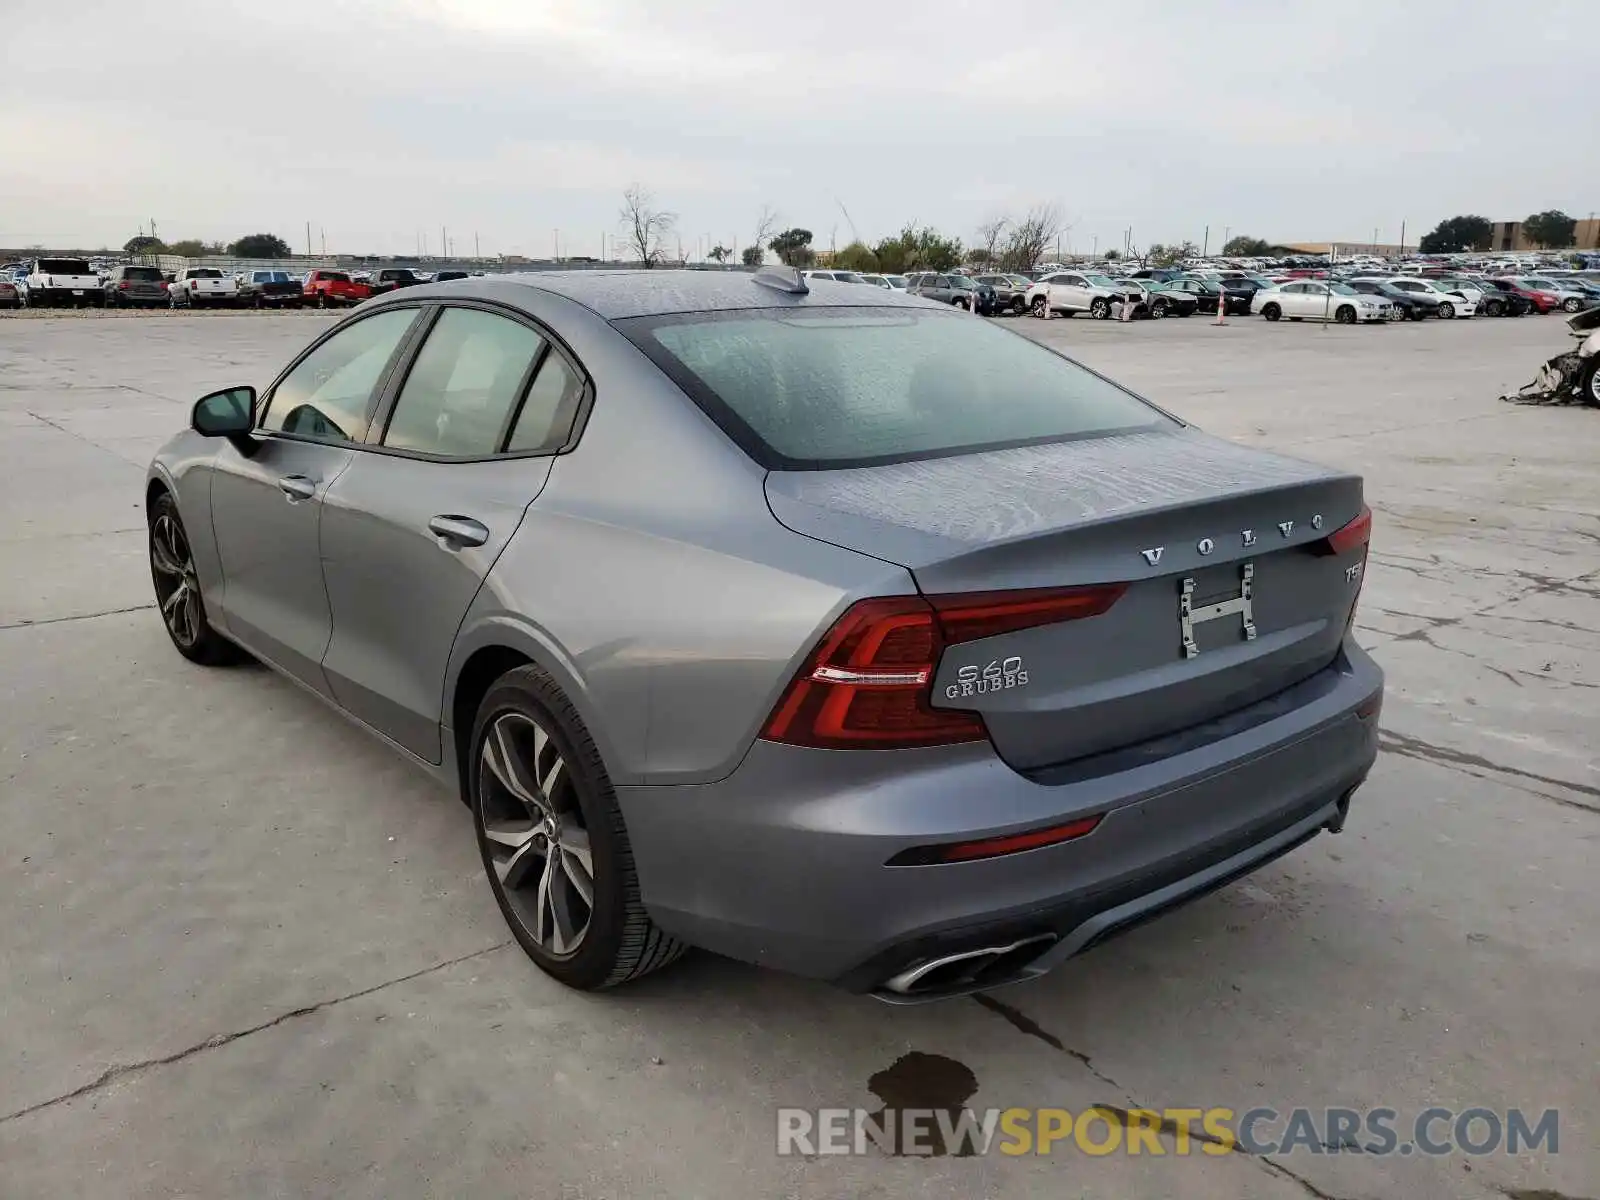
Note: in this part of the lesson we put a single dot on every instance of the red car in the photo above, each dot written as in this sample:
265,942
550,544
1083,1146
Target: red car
328,288
1542,302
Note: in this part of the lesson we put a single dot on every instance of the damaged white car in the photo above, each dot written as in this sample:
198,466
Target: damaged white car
1571,378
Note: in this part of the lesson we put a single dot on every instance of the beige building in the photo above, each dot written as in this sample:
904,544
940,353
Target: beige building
1508,235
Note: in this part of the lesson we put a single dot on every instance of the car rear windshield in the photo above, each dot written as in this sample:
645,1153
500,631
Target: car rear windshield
205,273
334,276
836,387
64,266
148,274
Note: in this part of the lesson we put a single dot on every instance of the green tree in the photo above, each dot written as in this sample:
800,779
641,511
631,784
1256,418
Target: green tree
1550,230
914,249
719,253
260,245
857,256
1456,234
1113,255
1246,247
144,244
195,248
793,247
752,256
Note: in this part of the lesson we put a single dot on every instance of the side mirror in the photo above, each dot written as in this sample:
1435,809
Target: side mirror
229,413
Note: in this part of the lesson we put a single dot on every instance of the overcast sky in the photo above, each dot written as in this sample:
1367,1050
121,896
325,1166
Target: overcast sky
381,120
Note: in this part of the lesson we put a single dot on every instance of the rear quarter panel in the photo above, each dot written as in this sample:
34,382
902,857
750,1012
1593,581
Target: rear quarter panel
651,579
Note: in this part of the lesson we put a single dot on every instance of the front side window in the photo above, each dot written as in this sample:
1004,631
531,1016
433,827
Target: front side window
460,393
842,387
326,396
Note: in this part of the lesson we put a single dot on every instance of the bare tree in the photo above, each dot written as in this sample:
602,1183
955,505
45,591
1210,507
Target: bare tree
644,226
990,233
1030,237
766,224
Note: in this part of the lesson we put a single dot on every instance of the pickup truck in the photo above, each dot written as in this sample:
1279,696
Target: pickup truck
328,288
62,281
269,288
196,286
392,279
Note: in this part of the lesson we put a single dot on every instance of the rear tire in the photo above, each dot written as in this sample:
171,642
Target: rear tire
565,807
1018,306
1158,309
1271,312
1589,383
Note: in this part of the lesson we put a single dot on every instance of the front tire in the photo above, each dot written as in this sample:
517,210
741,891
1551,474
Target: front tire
1271,312
1018,306
553,841
177,585
1345,315
1100,308
1589,384
1447,310
1158,309
1037,306
1572,304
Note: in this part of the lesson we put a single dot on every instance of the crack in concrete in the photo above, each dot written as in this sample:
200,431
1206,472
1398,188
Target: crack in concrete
110,612
1444,756
1025,1024
119,1070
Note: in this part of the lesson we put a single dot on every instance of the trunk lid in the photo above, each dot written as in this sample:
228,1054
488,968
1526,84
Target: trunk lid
1167,513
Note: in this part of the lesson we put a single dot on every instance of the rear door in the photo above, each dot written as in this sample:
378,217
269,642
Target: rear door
413,526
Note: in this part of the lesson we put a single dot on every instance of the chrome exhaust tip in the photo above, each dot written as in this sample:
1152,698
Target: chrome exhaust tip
985,966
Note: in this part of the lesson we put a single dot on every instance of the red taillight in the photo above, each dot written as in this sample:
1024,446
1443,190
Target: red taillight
866,684
1357,533
123,286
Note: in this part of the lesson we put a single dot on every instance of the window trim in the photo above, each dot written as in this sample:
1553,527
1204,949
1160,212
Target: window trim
389,396
739,431
374,398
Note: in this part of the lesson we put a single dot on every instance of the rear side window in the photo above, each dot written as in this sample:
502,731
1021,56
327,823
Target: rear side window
458,398
835,387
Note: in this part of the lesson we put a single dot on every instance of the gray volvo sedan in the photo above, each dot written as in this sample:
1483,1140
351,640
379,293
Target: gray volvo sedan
811,624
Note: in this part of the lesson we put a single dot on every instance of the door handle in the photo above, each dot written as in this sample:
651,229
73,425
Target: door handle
297,487
459,531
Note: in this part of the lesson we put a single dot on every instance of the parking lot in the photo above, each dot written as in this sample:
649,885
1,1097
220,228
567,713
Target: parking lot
248,952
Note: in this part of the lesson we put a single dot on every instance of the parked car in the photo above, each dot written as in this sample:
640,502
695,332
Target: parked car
1161,273
959,290
1539,302
1490,300
196,287
1452,302
777,695
1567,298
1010,291
1160,300
1208,293
1314,300
136,286
10,294
836,276
1073,292
52,281
447,276
389,279
327,289
1411,307
269,288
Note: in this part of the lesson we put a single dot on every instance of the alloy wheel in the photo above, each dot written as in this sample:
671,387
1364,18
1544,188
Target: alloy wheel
177,586
534,830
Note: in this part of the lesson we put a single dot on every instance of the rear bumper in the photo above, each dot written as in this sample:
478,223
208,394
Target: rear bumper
782,863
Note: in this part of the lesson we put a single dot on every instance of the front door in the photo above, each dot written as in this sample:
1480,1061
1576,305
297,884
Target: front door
413,527
266,506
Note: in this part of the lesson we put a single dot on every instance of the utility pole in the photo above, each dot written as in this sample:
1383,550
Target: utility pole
1402,239
1226,230
1094,254
476,252
558,245
323,229
1205,243
308,239
1374,239
444,242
